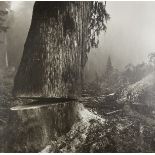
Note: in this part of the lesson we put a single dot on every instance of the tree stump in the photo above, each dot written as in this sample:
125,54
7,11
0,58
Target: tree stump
31,128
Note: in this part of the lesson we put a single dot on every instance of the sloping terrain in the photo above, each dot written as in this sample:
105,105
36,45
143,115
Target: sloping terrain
107,122
138,91
129,124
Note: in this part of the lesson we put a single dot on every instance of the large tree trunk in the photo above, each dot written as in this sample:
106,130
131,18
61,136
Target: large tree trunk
53,58
51,67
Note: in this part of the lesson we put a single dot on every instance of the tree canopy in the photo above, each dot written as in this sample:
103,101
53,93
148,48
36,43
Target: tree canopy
98,19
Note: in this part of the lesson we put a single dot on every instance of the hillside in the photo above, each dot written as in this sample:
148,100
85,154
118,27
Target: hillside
107,122
128,124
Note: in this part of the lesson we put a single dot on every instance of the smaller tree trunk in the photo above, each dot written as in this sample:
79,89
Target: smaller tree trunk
3,51
6,52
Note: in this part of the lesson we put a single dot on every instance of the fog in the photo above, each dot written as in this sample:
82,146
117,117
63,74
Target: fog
128,39
48,106
129,36
22,14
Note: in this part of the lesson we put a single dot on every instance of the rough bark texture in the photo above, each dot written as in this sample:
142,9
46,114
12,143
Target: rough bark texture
30,130
3,50
53,58
4,23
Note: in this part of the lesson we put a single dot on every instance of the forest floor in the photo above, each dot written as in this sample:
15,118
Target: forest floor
128,126
113,126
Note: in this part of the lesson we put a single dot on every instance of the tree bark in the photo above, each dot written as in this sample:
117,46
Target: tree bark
54,52
3,51
31,129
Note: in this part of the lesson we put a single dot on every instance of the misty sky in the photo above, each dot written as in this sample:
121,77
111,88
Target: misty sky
130,34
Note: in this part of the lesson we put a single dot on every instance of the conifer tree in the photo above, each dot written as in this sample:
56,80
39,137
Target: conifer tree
109,67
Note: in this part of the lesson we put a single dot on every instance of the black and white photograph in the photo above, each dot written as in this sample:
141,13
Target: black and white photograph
77,76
